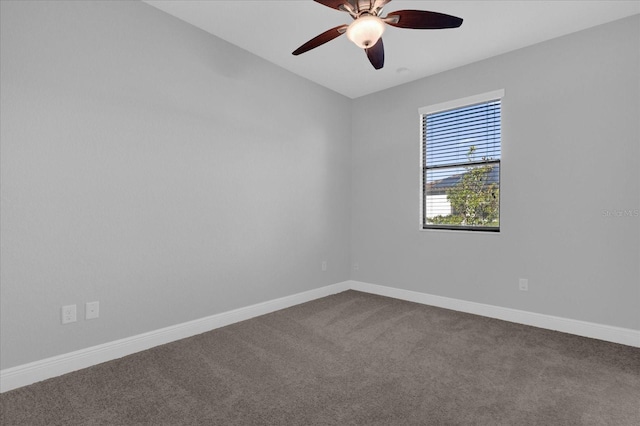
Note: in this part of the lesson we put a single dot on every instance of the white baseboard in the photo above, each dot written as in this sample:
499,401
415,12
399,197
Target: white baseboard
624,336
26,374
22,375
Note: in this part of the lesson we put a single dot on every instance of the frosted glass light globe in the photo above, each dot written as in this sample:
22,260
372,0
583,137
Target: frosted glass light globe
365,31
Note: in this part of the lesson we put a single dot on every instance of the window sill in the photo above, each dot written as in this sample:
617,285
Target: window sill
465,230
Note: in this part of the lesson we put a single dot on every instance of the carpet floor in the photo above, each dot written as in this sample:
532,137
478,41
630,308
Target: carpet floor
350,359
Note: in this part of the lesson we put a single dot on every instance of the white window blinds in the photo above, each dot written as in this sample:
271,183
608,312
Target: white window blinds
461,148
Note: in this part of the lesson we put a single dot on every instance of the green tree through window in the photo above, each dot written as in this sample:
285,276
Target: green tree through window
474,199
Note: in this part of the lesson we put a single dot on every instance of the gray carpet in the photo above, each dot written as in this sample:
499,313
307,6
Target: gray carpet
350,359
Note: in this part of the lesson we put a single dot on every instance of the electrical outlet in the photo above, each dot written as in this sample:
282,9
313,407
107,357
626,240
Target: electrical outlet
324,265
91,310
356,266
523,284
69,314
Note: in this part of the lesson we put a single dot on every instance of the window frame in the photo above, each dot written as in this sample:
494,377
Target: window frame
446,106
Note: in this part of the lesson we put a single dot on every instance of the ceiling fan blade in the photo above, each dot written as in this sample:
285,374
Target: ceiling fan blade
422,20
321,39
376,54
334,4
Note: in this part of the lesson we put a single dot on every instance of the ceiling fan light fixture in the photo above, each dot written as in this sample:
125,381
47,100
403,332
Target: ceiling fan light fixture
367,27
365,31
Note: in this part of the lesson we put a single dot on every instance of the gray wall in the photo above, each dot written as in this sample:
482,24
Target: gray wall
155,168
571,153
170,175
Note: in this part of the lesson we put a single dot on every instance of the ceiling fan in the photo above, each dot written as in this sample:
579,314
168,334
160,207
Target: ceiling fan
367,26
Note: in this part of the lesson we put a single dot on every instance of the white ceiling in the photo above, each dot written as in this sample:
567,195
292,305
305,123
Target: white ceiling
272,29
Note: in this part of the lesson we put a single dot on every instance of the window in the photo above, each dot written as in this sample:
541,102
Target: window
461,149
